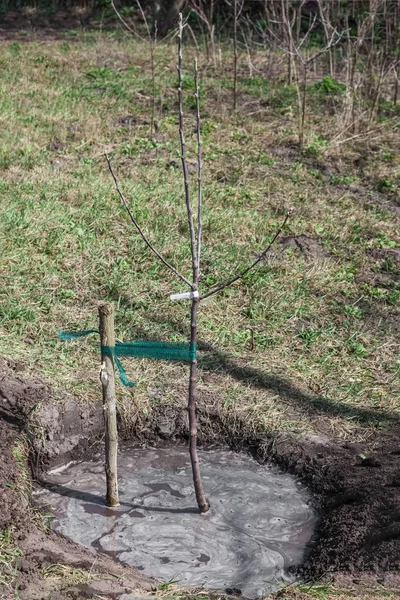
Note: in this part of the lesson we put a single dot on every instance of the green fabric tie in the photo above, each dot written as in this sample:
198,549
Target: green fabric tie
146,349
70,335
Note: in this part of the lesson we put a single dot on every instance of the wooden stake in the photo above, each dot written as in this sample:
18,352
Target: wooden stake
107,338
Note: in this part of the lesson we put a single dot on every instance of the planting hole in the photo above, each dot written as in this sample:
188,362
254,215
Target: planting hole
257,529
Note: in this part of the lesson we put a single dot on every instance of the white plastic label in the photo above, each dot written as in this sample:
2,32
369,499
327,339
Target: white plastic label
185,296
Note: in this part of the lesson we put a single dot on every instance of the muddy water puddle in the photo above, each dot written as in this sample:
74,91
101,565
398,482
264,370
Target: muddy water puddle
258,527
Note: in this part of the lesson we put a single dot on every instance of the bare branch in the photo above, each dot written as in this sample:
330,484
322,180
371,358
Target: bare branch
240,9
139,229
183,155
153,44
342,131
283,48
170,36
235,53
124,22
308,32
332,42
144,19
363,133
199,166
193,36
228,283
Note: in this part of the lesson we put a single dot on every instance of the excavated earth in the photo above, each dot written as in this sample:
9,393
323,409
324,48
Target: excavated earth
356,496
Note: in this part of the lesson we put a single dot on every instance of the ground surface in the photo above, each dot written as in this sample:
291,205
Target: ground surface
357,542
305,344
36,564
258,526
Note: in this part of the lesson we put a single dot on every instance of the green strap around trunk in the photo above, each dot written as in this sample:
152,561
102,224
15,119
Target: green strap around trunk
145,349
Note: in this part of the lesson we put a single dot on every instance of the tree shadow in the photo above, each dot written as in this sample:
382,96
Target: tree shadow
93,500
218,361
214,360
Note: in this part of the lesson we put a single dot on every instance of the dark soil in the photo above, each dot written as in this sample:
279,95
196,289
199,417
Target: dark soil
19,400
379,200
355,488
381,254
358,495
304,244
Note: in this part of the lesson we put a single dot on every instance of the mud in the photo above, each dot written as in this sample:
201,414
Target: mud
22,403
367,197
257,529
382,254
58,427
358,500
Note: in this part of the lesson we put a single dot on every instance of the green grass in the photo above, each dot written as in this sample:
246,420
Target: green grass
324,329
327,591
22,482
9,555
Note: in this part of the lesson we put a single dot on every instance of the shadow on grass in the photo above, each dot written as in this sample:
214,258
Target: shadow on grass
214,360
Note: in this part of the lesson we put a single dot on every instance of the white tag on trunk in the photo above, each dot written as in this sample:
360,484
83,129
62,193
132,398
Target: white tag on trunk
185,296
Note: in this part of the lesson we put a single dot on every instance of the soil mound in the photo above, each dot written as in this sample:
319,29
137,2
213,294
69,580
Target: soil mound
306,245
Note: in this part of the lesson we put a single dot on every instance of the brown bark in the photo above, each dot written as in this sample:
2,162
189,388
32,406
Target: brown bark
107,337
202,501
235,53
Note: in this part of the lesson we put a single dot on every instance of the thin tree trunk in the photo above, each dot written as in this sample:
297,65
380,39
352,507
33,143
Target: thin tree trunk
396,69
153,42
202,501
303,107
290,70
235,53
298,24
288,37
107,337
353,92
325,20
166,15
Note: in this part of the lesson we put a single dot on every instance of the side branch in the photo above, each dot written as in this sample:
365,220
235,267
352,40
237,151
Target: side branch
139,229
228,283
124,22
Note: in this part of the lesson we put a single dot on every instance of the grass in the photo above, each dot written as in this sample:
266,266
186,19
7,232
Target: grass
63,573
326,591
10,552
20,454
9,555
301,341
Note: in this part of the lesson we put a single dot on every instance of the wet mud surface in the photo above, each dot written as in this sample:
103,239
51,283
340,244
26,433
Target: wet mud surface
257,529
358,500
40,548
